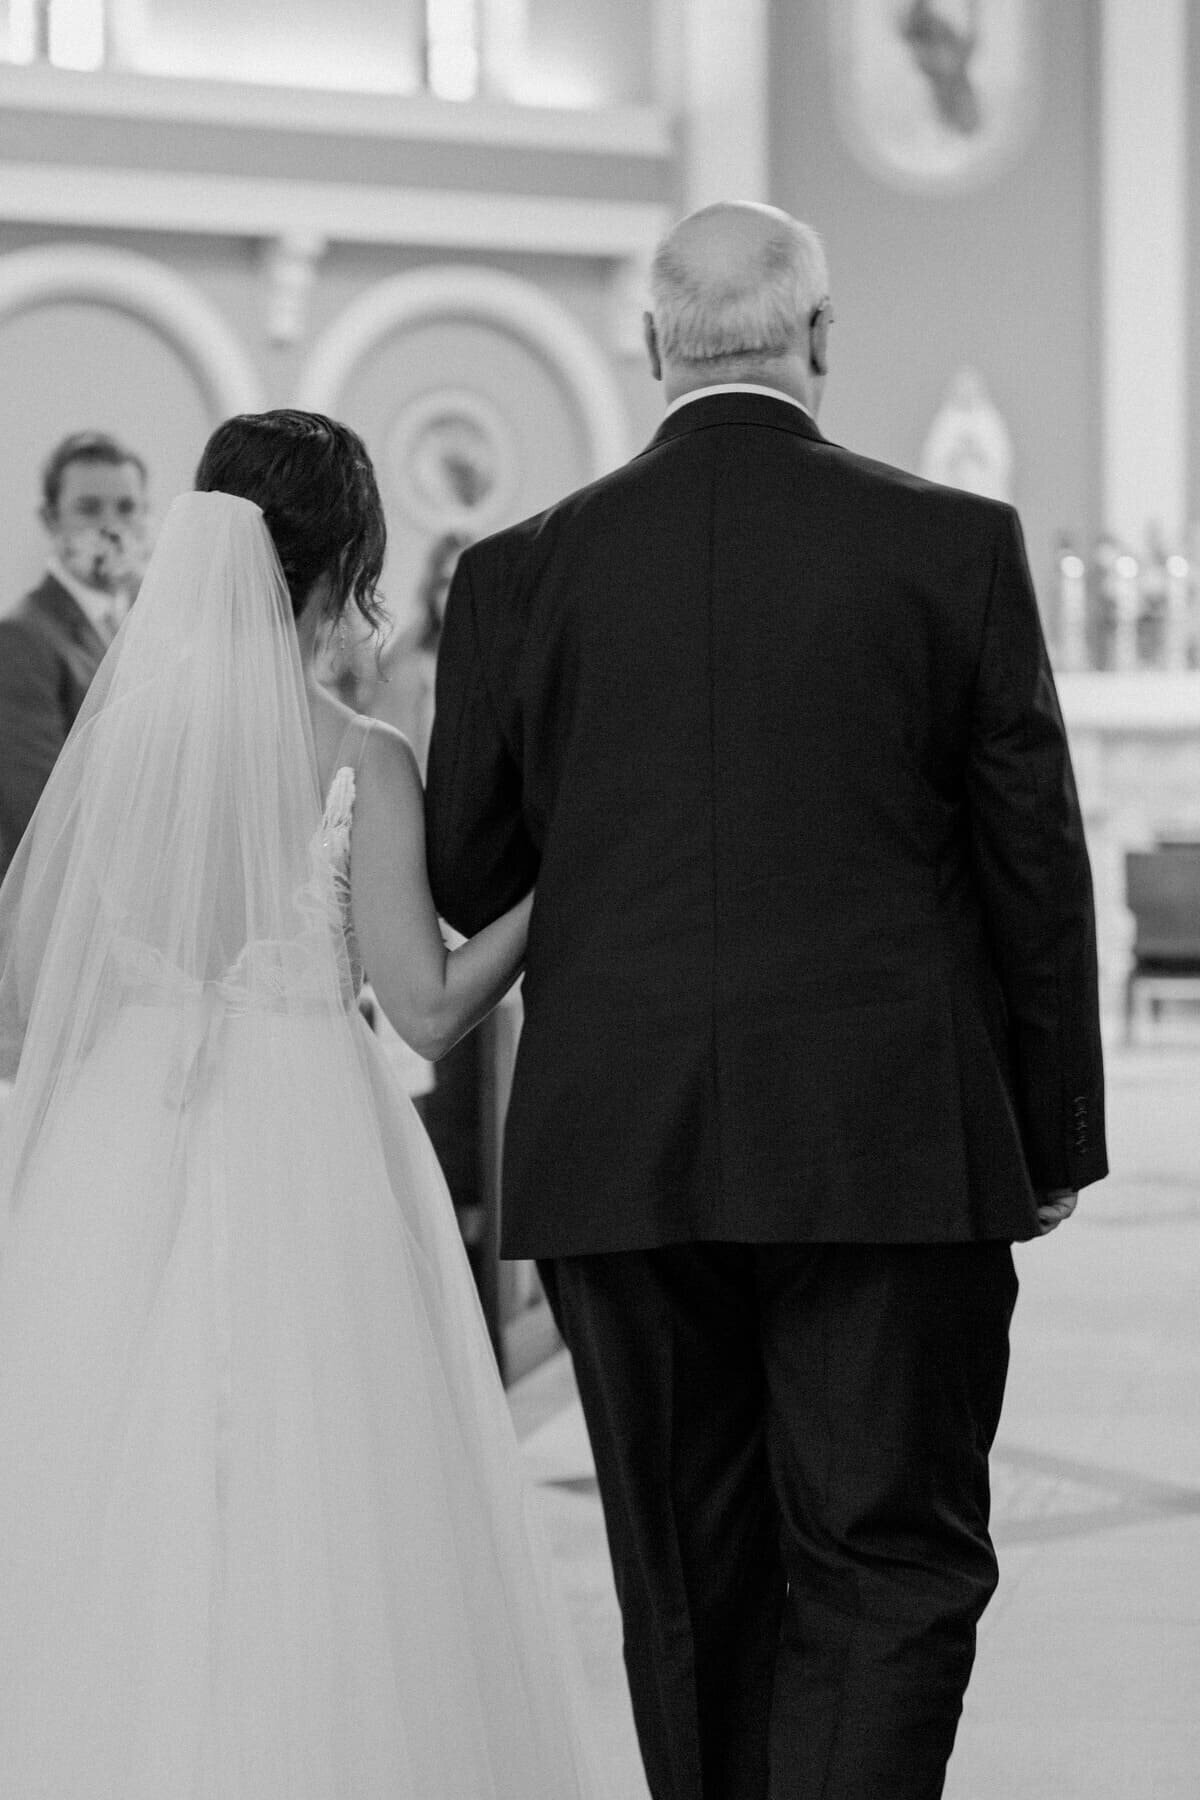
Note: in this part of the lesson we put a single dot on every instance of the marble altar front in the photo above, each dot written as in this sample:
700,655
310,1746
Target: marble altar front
1135,743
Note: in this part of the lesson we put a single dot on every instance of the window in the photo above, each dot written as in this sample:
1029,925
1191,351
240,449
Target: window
452,48
75,34
69,34
19,44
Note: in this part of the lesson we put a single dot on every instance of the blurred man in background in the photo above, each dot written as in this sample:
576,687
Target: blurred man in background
94,509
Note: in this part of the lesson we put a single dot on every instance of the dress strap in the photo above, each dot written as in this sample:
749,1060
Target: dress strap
358,723
368,726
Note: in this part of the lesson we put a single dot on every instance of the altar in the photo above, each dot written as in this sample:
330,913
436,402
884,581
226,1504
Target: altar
1135,743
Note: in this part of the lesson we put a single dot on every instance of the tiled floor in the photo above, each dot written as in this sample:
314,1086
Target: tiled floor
1087,1685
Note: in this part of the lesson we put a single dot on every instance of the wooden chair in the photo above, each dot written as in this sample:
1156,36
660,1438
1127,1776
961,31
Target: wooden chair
1162,891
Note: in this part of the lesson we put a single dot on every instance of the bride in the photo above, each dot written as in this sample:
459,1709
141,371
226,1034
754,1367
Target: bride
263,1530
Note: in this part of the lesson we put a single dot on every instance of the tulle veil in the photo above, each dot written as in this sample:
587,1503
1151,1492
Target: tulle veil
263,1528
173,849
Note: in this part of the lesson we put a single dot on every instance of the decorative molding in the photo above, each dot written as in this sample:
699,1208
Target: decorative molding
148,292
493,298
438,437
629,300
638,131
934,103
345,212
291,271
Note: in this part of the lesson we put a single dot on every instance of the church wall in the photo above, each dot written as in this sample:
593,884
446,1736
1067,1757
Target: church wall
1002,278
365,158
64,367
369,43
252,198
136,386
582,53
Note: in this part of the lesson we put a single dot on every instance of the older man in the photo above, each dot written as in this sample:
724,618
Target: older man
810,1022
51,643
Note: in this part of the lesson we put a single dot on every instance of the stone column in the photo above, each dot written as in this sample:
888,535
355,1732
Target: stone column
1143,135
723,56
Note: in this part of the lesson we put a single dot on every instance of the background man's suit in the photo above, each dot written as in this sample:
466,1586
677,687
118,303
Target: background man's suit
810,1012
49,652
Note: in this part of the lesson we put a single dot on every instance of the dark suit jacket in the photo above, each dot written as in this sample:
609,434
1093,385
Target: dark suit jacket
773,729
49,652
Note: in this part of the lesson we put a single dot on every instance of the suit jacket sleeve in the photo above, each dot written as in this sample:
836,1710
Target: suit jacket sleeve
481,858
32,730
1032,867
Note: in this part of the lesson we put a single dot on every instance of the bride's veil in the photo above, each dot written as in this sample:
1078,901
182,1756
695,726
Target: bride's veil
172,859
272,1515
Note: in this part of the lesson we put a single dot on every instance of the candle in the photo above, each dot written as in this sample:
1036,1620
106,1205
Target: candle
1072,611
1178,623
1127,604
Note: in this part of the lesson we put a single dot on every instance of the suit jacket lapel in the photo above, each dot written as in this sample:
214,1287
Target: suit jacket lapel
53,601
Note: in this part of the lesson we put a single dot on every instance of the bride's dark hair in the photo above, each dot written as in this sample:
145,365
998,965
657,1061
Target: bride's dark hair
316,486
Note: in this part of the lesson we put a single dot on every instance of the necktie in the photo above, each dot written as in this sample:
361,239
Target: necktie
108,623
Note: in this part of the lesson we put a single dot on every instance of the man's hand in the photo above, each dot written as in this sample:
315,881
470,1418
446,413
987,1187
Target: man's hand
1053,1206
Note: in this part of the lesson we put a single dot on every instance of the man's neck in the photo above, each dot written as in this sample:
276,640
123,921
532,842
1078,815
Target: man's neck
736,387
786,375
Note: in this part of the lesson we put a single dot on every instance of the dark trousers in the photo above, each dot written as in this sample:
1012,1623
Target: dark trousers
792,1445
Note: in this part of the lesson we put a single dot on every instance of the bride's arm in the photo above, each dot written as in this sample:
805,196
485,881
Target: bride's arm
432,995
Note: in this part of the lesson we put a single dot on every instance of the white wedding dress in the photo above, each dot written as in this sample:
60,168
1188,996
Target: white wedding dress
264,1533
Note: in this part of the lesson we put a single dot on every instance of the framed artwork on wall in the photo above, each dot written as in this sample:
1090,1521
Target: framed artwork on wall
968,444
453,461
936,95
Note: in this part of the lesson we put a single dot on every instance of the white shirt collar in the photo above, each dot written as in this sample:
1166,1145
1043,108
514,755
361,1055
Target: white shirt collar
735,387
102,610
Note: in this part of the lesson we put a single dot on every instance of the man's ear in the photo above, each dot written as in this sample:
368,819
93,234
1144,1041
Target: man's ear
652,351
818,339
48,518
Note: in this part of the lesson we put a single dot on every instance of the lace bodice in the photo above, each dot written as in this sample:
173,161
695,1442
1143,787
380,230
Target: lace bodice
336,823
413,1072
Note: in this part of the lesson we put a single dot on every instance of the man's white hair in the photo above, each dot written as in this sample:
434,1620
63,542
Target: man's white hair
758,309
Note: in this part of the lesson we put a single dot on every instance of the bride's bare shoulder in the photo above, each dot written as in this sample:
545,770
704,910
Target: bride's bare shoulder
386,744
388,761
